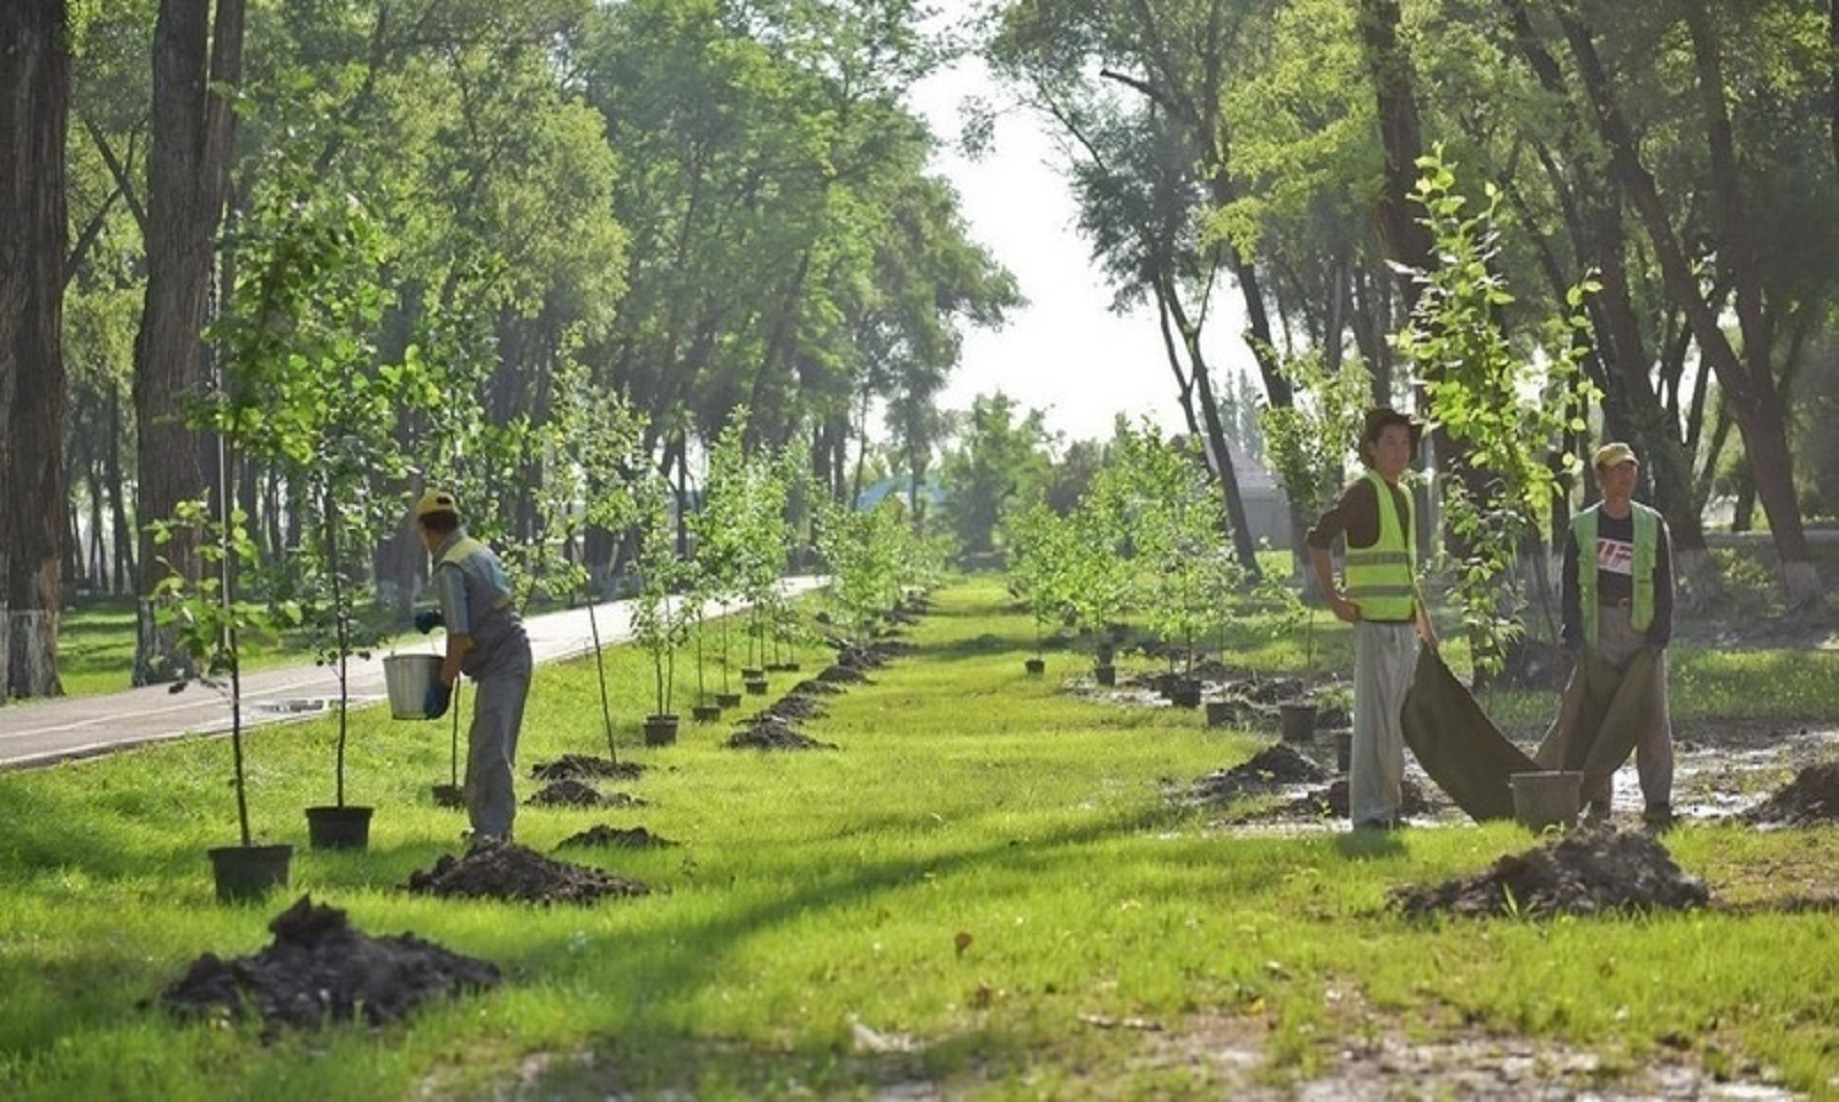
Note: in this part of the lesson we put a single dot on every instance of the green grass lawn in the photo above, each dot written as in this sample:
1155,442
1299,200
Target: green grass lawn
979,884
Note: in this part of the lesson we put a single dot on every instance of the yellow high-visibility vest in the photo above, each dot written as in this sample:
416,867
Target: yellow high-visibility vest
1381,579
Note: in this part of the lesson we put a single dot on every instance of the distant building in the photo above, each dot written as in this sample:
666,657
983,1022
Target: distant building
1267,510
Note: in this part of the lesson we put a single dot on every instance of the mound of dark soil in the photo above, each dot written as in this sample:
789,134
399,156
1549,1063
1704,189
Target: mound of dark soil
319,970
513,872
814,687
578,767
795,705
1811,798
770,734
1331,802
603,835
1268,770
839,674
1589,871
573,793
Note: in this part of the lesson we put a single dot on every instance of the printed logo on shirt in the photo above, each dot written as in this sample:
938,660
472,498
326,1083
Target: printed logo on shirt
1615,556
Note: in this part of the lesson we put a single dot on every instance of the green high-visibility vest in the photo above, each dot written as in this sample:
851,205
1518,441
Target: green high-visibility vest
1381,579
1647,557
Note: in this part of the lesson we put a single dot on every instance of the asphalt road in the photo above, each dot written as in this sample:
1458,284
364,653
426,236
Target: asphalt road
41,732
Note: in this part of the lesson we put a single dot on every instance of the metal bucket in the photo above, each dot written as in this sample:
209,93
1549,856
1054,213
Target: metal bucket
1542,800
408,677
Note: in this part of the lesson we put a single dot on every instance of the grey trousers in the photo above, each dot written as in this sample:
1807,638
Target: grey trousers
1616,642
491,753
1385,658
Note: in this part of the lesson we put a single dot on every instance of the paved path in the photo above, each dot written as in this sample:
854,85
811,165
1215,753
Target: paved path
41,732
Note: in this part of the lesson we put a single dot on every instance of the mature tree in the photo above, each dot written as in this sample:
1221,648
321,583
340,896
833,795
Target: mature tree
999,468
197,64
1153,136
34,115
1745,371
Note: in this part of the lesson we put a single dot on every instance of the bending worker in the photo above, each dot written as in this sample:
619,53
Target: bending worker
1381,600
486,642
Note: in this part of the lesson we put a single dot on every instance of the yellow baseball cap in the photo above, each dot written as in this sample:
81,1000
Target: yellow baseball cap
436,501
1614,455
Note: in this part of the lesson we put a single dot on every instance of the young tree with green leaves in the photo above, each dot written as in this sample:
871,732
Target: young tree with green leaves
1510,410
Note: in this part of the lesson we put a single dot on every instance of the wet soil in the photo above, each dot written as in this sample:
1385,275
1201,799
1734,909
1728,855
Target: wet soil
509,871
608,836
320,969
1811,799
578,767
1264,773
573,793
1594,870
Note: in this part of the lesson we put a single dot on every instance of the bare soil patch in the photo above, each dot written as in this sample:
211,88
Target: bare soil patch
773,733
574,793
616,837
1593,870
795,706
578,767
509,871
320,969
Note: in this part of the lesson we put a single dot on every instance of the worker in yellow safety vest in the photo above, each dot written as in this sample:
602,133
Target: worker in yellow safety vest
1380,599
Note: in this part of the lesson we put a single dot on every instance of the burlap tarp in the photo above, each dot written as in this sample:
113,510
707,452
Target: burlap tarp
1457,744
1600,718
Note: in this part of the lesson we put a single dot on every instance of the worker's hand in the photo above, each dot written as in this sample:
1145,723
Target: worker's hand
1343,608
427,620
434,705
1427,636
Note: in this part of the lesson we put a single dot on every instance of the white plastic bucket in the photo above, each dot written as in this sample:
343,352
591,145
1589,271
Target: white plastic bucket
1542,800
408,677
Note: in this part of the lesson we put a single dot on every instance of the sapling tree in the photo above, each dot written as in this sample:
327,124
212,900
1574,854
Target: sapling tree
660,616
1043,567
590,448
763,537
207,618
1309,442
724,534
1179,532
297,335
1509,410
858,548
1101,555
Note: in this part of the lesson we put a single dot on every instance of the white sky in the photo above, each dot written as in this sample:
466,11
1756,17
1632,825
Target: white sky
1065,353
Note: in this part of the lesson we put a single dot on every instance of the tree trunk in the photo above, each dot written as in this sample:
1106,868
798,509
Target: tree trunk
1403,233
34,117
1181,338
188,179
123,528
1748,386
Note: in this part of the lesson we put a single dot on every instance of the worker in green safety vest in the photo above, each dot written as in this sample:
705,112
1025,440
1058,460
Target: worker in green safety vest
486,641
1377,518
1618,601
